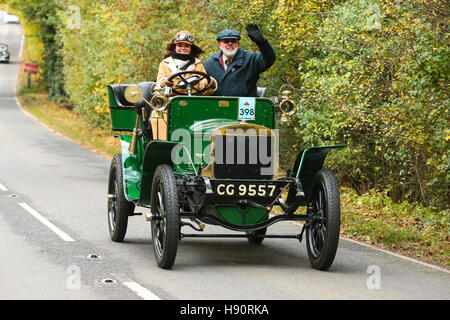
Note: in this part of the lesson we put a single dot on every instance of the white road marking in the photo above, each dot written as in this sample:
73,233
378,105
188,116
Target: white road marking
23,110
141,291
2,187
47,223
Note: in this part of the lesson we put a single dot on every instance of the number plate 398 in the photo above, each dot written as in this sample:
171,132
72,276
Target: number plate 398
246,109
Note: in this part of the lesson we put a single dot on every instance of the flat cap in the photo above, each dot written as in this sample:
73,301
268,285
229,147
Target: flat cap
228,34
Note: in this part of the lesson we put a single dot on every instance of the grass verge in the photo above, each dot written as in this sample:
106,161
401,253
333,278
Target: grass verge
373,218
408,229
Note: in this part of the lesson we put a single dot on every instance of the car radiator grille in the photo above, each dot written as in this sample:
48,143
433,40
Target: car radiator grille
243,157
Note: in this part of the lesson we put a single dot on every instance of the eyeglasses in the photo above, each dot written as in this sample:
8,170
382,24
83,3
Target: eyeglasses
184,37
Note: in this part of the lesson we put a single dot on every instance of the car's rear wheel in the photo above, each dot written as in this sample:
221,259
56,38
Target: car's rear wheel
322,233
119,208
166,213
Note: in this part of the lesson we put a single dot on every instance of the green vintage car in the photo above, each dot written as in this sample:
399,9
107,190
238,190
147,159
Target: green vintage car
206,160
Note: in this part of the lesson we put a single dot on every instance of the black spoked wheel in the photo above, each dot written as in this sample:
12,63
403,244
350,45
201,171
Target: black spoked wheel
119,208
253,238
166,224
322,233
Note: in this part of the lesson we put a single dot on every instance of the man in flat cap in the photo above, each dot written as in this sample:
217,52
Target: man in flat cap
235,69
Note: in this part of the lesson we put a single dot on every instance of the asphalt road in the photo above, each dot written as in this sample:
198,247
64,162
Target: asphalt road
53,196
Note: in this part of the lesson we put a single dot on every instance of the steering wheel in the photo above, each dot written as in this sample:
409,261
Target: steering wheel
190,85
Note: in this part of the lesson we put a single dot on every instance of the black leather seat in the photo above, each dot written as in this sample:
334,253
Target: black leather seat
147,92
119,94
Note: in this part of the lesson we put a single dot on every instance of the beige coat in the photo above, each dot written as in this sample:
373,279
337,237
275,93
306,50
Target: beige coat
169,66
166,68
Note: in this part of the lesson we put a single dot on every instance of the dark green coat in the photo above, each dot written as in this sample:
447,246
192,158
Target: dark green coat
242,74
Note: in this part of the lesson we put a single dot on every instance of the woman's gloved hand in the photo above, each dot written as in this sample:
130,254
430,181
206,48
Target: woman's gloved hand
166,83
254,33
213,85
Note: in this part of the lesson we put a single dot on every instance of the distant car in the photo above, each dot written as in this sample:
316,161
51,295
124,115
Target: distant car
4,52
9,18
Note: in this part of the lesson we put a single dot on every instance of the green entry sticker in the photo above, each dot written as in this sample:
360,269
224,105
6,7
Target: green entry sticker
246,109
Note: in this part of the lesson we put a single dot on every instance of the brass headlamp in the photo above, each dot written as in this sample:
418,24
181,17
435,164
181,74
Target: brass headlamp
287,105
159,102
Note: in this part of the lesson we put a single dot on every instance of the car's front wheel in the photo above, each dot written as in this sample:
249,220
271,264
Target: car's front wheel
322,233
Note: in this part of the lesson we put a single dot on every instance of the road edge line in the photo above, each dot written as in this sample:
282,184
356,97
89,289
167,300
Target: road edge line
2,187
46,222
425,264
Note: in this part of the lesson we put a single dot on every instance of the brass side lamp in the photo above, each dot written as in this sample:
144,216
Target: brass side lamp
287,105
158,103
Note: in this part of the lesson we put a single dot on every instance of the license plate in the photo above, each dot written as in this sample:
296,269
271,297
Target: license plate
246,189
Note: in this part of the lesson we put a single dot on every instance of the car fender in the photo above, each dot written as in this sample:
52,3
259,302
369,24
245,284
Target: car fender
131,164
309,161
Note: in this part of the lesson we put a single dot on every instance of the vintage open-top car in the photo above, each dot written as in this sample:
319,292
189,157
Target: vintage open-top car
196,160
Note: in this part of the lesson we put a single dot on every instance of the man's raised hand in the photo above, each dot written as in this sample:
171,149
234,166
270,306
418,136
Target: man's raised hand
254,33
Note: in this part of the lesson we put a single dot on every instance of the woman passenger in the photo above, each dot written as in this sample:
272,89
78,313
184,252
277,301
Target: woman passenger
183,56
